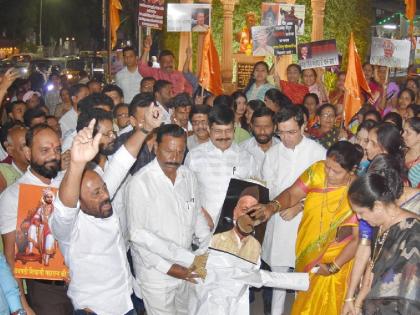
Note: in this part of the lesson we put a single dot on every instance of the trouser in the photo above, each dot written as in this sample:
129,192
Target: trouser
279,295
171,300
49,297
83,312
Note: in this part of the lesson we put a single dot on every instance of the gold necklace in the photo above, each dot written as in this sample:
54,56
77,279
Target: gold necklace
380,241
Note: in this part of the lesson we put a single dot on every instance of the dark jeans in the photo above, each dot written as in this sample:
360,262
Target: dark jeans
83,312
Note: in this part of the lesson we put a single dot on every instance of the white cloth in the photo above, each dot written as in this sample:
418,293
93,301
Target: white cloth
281,168
251,145
67,141
192,142
279,295
3,153
68,122
129,82
52,99
10,197
166,115
171,212
126,129
214,169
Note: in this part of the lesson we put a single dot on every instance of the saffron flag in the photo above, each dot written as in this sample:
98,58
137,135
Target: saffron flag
354,84
410,13
209,76
114,19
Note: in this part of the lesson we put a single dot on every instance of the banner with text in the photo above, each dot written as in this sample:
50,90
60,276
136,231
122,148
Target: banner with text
273,14
390,52
322,53
151,13
189,17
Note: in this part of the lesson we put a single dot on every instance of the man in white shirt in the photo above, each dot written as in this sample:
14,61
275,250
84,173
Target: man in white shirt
263,127
162,91
283,164
199,118
69,120
217,161
43,150
101,281
122,118
163,198
129,78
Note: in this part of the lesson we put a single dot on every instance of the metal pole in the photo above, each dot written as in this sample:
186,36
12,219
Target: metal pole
109,41
40,23
104,23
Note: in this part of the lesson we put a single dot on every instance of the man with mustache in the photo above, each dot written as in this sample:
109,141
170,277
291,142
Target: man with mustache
162,200
263,127
89,236
199,118
166,71
217,161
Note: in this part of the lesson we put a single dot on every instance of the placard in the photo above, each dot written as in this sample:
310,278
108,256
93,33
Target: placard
390,52
189,17
322,53
37,253
151,13
262,40
285,40
243,73
273,14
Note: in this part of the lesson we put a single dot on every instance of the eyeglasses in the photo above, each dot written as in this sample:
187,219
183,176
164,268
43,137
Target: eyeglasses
287,132
110,134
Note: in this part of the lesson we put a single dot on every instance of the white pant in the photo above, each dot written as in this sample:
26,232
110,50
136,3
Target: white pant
279,295
163,300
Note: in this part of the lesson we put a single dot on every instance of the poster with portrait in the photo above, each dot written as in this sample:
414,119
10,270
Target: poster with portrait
234,223
151,13
191,17
317,54
273,14
390,52
262,40
37,255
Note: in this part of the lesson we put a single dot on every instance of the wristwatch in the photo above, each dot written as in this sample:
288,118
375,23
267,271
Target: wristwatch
19,312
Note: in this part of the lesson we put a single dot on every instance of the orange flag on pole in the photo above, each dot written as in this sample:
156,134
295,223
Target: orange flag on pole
114,19
209,76
410,13
354,84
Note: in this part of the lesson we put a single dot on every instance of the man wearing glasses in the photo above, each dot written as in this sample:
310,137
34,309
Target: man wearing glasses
283,164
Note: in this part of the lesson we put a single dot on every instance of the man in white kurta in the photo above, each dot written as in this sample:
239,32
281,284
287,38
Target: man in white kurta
283,164
217,161
163,199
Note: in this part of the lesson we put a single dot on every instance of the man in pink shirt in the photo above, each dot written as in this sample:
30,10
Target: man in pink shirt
166,71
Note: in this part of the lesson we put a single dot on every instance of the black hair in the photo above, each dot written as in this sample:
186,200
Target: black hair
160,84
165,53
117,107
31,133
367,189
313,95
414,123
140,100
410,92
262,112
415,108
221,115
255,104
373,112
313,71
75,89
223,100
367,125
365,108
181,100
11,105
294,65
389,167
4,131
171,130
64,89
390,139
129,48
113,88
147,79
235,95
199,109
325,106
278,98
415,80
252,79
302,108
346,154
31,114
94,100
93,113
394,118
287,113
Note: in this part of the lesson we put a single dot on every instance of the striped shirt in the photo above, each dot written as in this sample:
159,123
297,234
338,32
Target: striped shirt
214,169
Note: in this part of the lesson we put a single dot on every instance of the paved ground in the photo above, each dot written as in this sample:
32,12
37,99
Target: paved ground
257,308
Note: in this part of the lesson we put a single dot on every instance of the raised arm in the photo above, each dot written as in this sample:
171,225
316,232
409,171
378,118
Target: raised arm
9,77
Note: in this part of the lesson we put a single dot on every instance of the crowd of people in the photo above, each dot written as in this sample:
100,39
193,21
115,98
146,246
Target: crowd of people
148,160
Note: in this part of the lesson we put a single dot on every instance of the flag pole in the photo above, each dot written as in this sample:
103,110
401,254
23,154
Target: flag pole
108,79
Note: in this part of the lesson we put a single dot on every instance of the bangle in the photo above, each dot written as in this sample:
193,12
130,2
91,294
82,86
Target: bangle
332,268
276,204
336,266
145,131
350,299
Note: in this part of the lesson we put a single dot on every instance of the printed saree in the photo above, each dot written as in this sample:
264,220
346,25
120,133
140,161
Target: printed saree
325,211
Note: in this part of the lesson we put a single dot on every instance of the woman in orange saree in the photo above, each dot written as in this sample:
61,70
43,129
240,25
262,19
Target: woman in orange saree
327,236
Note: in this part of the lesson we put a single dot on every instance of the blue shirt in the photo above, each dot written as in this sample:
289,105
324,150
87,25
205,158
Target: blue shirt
9,290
